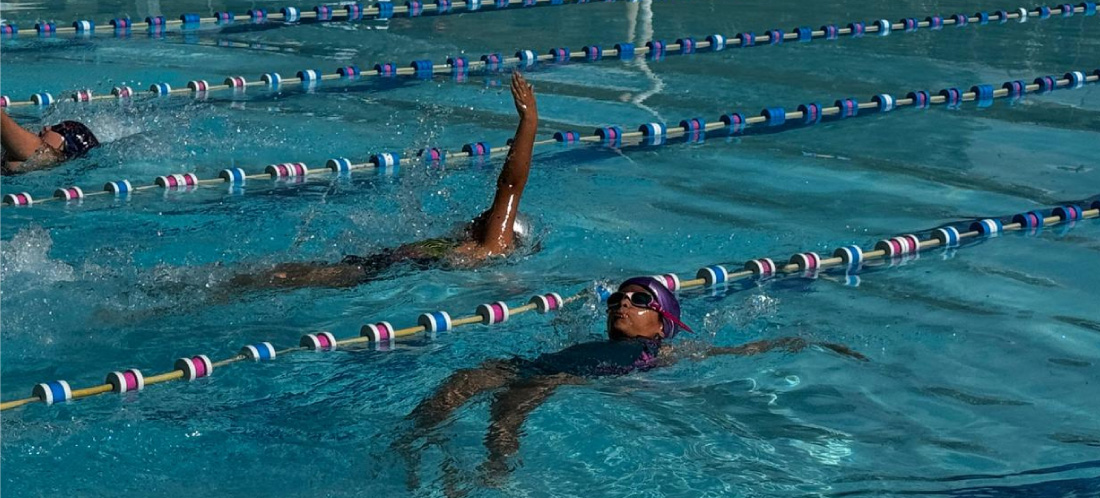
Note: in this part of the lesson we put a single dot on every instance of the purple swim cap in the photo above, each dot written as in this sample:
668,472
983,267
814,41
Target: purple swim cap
666,300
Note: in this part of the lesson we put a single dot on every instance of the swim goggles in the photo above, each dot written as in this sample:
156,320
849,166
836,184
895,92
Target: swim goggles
644,300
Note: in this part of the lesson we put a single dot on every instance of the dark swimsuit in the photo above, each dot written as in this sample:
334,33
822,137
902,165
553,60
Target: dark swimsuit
593,359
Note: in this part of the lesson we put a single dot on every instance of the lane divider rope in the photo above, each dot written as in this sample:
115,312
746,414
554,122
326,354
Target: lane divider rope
693,130
460,66
157,26
382,335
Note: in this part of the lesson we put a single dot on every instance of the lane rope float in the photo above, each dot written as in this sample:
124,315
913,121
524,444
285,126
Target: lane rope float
459,67
382,335
692,130
187,23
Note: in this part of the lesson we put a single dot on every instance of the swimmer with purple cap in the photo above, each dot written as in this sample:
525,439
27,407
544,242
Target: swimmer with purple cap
642,317
26,151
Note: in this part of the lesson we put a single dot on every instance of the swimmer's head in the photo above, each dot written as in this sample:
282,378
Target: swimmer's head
75,139
643,307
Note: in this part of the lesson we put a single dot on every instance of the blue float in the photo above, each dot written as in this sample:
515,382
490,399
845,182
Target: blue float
53,392
713,275
339,165
625,50
263,351
983,94
948,236
436,321
775,116
233,175
851,256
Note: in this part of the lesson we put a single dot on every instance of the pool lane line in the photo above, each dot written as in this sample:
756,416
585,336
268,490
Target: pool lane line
460,66
122,27
649,134
383,335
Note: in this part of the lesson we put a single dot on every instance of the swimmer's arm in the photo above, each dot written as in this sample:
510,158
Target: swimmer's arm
497,230
790,344
19,144
510,410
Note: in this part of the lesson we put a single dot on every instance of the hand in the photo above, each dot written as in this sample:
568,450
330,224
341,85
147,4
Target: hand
524,97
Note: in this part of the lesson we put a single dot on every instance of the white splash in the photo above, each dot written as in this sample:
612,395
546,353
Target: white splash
28,253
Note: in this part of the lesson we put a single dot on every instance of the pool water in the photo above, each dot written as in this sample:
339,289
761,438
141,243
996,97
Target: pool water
983,366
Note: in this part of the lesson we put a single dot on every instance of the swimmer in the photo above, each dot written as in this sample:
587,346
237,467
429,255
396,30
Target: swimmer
641,318
24,151
490,235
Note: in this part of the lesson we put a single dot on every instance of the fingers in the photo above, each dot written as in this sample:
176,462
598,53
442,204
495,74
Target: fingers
520,86
517,85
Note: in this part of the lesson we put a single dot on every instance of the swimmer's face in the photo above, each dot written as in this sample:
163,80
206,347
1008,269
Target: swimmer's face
625,320
52,149
52,138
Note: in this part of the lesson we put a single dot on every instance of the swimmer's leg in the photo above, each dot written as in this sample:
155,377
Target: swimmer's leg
508,412
449,396
299,275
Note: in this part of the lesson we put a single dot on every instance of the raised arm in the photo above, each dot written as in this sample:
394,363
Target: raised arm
494,230
19,144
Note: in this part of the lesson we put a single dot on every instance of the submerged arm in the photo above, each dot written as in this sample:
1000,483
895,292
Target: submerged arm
495,232
510,410
790,344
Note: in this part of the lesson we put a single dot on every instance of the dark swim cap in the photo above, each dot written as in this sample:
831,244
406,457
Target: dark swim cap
669,306
78,138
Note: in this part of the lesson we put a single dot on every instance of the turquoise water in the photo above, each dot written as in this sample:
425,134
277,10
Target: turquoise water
983,366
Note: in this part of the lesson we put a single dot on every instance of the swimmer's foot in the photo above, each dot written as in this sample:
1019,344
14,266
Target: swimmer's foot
843,350
115,317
